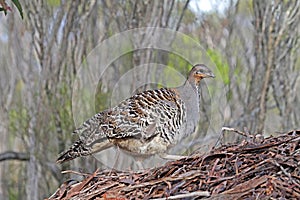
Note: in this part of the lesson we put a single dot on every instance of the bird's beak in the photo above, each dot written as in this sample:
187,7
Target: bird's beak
210,75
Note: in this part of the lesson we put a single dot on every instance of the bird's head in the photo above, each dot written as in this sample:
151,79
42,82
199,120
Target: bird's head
198,72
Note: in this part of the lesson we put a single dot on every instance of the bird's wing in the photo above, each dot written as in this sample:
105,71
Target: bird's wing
91,130
146,114
142,116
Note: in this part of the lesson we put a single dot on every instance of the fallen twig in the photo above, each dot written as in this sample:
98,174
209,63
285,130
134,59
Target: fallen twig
266,169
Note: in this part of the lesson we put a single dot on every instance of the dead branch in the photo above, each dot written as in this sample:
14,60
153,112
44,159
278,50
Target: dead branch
11,155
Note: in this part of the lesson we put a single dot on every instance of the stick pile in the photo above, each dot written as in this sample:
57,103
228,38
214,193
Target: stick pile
254,169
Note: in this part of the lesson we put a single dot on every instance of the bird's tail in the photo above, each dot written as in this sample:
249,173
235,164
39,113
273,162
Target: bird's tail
79,149
76,150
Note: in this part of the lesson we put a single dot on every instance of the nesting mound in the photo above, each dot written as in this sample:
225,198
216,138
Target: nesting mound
254,169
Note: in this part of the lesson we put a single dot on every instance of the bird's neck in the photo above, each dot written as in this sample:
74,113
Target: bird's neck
190,91
190,94
193,83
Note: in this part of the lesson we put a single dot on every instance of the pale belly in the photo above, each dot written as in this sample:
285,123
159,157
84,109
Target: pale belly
136,146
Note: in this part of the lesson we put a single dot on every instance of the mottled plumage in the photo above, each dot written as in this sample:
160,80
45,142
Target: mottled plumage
147,123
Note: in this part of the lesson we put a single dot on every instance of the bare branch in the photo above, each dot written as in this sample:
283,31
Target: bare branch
182,14
11,155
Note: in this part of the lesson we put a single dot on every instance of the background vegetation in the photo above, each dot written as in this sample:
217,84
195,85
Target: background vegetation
254,45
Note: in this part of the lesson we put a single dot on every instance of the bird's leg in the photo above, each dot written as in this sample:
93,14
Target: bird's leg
139,165
171,157
116,159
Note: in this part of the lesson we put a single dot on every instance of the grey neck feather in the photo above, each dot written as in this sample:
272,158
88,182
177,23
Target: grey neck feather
189,93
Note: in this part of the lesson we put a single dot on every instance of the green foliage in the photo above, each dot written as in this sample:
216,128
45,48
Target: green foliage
62,104
12,193
14,182
221,64
53,3
246,7
6,8
18,119
237,74
101,100
19,7
179,64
